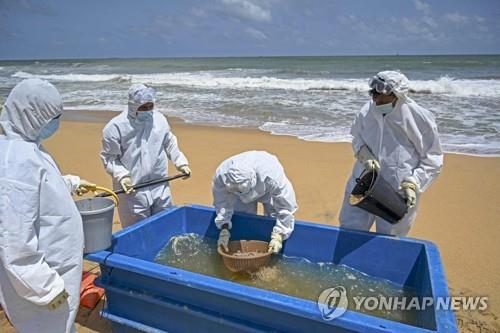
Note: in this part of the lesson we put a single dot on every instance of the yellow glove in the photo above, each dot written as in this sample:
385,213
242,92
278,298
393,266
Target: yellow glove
369,161
84,187
185,170
409,193
276,243
126,183
58,300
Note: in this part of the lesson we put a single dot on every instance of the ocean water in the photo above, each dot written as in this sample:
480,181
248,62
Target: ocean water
293,276
313,98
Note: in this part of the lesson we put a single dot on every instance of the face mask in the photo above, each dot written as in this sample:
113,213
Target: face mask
248,197
48,130
384,108
144,116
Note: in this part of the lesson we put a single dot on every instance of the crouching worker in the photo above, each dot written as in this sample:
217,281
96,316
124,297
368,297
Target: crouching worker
41,232
246,179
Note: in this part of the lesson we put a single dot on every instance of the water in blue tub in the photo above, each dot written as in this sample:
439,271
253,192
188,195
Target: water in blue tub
292,276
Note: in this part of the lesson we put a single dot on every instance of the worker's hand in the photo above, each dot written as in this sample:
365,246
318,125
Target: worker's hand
369,161
223,240
409,193
126,183
276,243
185,170
371,165
84,187
58,300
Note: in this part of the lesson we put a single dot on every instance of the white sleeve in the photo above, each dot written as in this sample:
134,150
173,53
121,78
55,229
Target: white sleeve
72,183
111,154
284,205
223,203
173,151
425,139
357,140
26,268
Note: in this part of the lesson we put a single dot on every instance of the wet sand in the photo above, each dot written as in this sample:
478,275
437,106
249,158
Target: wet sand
459,213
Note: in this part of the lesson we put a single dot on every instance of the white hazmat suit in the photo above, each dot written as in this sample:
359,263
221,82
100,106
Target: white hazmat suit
140,149
41,233
268,185
406,144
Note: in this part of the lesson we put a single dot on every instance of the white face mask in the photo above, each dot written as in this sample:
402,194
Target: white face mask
144,116
384,108
250,196
49,129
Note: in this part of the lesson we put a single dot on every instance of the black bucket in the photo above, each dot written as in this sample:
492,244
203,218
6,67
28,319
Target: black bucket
374,194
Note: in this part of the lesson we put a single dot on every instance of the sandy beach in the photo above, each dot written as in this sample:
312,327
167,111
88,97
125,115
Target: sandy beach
459,213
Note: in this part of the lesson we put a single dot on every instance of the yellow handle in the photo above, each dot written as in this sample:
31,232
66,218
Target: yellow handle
94,188
113,194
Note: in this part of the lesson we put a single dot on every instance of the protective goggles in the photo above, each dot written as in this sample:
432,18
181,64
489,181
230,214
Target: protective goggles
379,86
241,188
145,95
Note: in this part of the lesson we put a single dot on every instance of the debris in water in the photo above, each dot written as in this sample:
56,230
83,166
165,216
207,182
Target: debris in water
246,254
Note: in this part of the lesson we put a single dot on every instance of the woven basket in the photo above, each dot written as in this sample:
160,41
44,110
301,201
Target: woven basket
242,263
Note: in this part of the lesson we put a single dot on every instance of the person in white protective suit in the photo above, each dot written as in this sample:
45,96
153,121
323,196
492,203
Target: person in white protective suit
41,232
243,180
398,138
136,146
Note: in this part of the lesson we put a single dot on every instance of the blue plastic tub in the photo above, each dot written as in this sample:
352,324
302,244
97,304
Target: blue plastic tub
143,296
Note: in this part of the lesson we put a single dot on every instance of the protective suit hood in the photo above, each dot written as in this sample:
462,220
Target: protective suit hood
239,174
398,81
31,105
139,94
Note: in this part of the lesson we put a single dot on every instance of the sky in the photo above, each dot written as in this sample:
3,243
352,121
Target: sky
58,29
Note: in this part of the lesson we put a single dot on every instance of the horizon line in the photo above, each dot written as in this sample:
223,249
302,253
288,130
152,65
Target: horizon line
256,56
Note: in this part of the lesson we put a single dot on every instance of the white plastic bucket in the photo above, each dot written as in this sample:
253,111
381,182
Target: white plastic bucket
97,217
